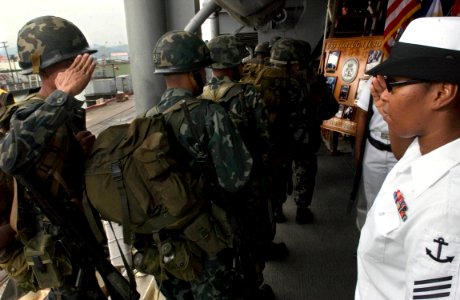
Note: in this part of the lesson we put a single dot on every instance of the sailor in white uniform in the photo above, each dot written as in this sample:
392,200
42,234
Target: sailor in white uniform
378,158
410,244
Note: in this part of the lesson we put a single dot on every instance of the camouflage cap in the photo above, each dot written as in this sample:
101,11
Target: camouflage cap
227,51
285,50
47,40
179,52
263,48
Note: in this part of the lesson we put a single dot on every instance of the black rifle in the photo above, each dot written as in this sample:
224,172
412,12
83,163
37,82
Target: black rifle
80,242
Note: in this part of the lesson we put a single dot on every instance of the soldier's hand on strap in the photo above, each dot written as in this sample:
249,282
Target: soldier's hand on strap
75,78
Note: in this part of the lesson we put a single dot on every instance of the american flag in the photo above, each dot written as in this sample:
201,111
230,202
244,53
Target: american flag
398,12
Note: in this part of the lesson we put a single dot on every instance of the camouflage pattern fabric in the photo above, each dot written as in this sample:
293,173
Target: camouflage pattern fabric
248,113
232,163
230,157
285,50
31,128
47,40
227,51
33,125
180,51
214,283
254,215
321,105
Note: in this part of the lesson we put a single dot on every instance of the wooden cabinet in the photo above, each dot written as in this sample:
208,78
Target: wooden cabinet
345,61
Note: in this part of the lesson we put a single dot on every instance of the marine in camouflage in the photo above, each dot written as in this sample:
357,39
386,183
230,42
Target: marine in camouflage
47,40
227,51
230,157
253,218
180,51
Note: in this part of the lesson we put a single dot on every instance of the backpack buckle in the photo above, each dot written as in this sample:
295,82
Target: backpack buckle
116,171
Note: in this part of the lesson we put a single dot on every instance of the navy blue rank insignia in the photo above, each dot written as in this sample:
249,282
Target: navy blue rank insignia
432,288
400,205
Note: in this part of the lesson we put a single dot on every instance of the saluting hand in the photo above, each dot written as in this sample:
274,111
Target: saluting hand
378,86
75,78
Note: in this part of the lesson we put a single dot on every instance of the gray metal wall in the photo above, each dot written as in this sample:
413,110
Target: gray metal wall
147,20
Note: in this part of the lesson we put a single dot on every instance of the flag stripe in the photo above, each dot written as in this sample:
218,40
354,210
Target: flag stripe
398,12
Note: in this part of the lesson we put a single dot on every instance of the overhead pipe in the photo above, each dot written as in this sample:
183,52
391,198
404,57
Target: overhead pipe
201,16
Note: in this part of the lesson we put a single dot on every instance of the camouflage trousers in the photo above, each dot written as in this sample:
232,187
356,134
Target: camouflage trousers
304,179
214,283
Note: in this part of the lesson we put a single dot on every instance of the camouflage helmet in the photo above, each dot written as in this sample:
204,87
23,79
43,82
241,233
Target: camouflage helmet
47,40
263,48
285,50
180,52
227,51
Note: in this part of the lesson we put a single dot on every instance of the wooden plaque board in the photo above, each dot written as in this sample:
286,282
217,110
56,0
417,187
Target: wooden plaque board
345,62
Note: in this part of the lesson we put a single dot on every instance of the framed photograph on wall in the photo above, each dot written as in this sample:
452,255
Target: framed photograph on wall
339,112
330,83
332,61
373,59
344,91
359,89
348,112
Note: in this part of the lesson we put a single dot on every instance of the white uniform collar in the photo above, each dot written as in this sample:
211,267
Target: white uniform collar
427,169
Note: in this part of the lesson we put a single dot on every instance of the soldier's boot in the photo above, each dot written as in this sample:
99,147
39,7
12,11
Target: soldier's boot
304,215
275,251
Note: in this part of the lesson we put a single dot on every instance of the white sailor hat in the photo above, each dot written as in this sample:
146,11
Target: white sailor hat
429,49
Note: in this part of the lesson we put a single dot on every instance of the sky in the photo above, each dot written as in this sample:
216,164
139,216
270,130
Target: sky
101,21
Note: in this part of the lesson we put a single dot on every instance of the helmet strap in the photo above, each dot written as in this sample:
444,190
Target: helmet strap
35,59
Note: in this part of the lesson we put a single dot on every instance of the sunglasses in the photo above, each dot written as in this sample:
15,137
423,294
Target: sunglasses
391,83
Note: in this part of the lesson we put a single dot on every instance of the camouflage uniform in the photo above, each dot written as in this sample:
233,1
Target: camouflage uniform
253,212
321,105
230,161
33,127
290,134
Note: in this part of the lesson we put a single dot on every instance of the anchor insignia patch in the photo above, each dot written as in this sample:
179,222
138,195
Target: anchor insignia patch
440,241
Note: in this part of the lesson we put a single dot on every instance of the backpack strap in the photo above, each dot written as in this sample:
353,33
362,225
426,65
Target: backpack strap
218,94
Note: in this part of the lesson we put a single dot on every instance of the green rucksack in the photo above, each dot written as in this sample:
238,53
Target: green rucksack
133,178
270,82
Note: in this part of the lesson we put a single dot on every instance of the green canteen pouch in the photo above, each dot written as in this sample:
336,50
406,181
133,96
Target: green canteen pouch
18,269
148,261
48,268
204,234
184,263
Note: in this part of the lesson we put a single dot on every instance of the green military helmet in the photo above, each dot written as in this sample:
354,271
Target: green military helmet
180,52
227,51
284,51
47,40
263,48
